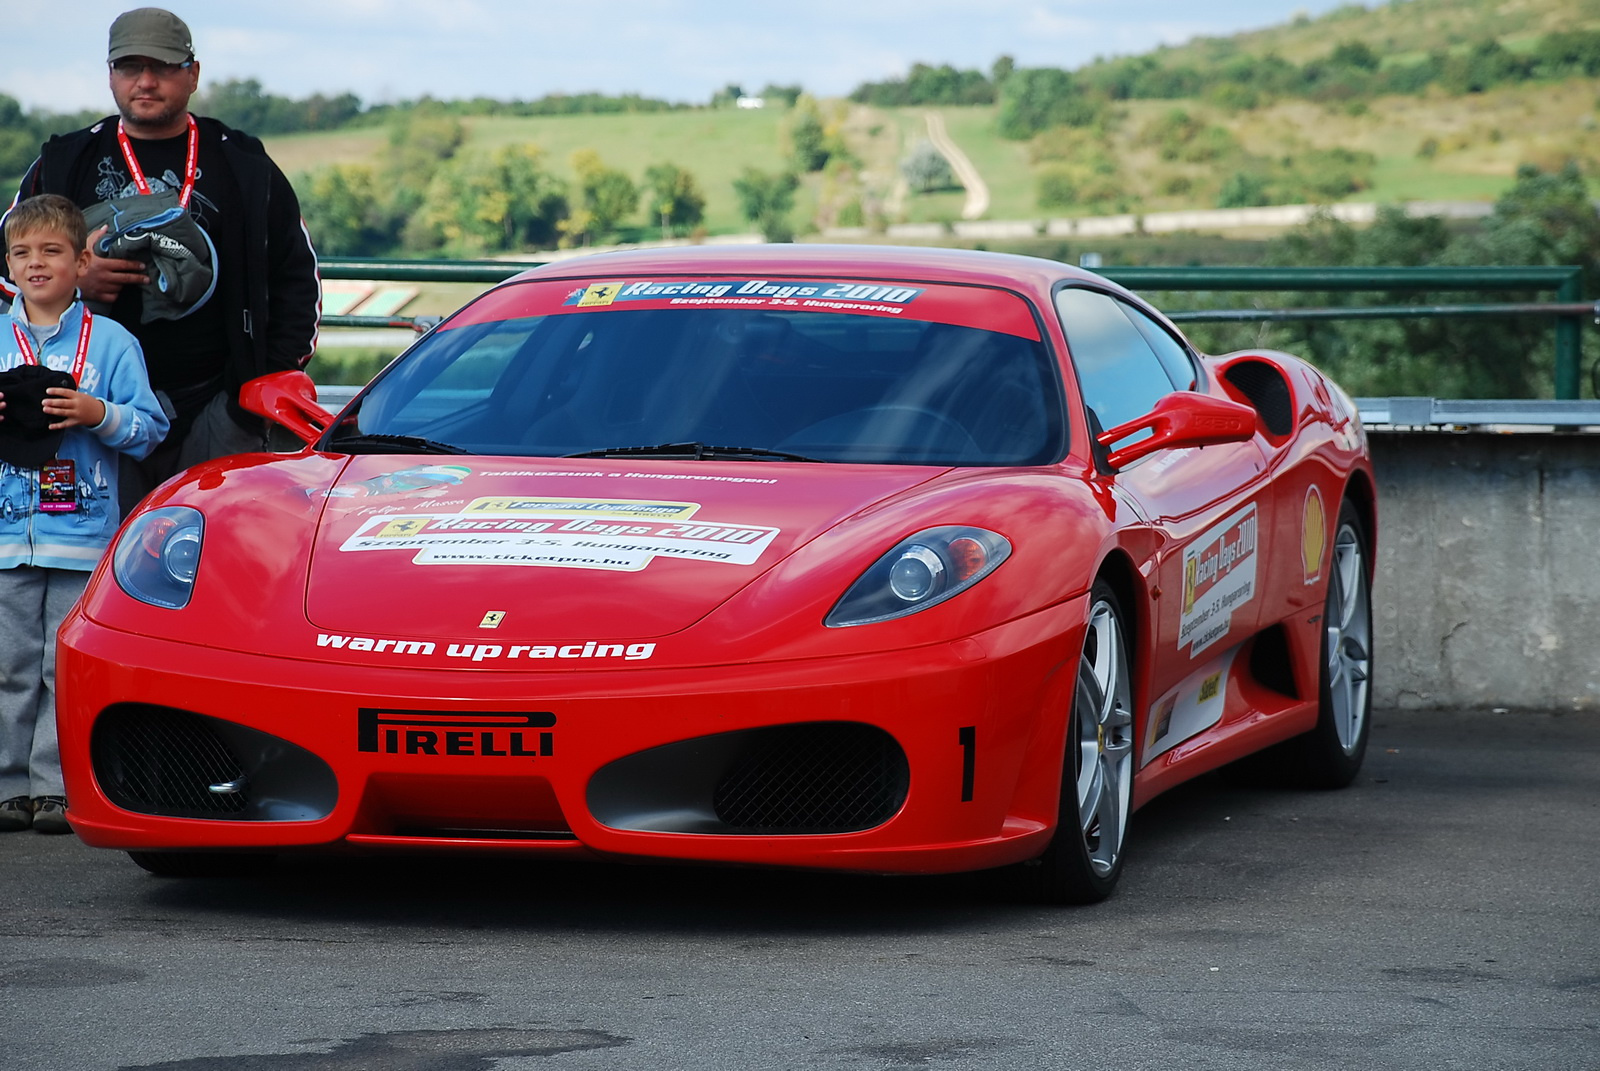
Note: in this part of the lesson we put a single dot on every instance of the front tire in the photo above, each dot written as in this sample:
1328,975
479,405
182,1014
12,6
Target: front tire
1084,859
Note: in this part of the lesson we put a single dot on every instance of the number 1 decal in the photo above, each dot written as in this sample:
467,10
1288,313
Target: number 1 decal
969,748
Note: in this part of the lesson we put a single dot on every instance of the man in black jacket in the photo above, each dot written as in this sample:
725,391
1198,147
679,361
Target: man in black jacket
261,314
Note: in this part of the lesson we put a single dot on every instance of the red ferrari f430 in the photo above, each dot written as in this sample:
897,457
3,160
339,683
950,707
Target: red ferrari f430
887,560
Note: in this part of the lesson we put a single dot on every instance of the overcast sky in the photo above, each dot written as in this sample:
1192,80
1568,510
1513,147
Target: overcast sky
386,50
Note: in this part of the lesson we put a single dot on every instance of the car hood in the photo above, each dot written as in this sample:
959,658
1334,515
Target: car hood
536,549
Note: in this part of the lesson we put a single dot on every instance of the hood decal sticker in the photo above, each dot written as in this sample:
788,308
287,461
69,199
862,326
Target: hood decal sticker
566,533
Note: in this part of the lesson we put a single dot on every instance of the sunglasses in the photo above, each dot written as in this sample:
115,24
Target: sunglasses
132,68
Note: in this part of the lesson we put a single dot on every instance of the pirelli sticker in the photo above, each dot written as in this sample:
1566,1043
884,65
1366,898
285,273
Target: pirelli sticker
566,533
1219,576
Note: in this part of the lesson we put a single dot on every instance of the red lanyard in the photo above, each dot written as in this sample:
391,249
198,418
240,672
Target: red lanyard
78,362
189,165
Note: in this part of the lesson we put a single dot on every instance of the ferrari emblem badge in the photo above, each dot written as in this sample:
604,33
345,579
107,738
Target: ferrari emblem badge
492,619
600,294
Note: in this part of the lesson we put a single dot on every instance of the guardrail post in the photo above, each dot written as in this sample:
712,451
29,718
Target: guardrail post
1569,340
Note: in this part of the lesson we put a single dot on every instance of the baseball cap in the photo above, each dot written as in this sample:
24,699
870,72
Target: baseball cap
25,436
153,32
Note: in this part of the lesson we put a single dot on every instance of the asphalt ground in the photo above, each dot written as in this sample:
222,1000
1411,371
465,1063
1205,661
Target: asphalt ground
1443,912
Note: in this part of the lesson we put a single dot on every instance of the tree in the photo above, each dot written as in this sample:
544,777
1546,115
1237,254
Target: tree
673,197
925,168
239,102
1035,99
1545,218
1000,71
342,212
1485,65
18,148
1055,186
785,95
242,103
808,136
605,194
767,200
1243,190
421,140
929,85
506,201
1355,54
728,96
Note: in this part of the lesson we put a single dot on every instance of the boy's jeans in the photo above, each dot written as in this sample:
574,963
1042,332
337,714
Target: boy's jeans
33,603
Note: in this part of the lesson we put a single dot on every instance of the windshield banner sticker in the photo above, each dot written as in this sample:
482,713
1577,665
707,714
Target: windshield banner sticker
797,293
562,533
984,308
1219,574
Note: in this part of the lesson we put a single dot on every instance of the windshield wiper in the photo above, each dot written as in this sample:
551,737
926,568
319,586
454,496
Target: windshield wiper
696,452
394,444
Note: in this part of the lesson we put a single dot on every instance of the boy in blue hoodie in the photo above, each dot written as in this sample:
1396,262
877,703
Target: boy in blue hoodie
58,507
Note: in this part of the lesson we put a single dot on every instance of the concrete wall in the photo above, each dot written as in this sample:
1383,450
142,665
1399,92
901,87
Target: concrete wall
1488,578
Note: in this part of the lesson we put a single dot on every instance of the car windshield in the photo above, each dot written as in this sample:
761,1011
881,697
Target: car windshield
741,369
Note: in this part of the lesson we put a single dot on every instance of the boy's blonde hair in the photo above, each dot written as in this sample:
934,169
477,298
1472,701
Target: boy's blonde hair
48,212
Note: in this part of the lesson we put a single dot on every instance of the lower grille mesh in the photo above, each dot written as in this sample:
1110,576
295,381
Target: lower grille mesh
822,778
155,760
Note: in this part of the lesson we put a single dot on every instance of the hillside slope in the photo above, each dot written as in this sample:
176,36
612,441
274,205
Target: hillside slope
1139,155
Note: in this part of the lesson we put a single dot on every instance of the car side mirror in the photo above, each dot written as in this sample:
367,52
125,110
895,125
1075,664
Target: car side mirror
1182,418
290,399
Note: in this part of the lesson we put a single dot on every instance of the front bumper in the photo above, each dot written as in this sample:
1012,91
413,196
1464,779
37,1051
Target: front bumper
960,741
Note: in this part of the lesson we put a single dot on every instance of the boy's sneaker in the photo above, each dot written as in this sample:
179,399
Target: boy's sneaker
16,814
50,814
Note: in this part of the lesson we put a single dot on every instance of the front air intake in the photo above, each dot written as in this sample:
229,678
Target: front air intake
778,780
155,760
178,764
828,778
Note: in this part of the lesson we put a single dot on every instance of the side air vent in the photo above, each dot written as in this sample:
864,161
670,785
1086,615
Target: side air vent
1267,390
1270,663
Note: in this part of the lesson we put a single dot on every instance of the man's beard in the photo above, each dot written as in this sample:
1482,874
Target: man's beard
165,118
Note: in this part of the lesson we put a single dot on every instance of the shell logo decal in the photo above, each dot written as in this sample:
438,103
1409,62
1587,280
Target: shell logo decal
1313,534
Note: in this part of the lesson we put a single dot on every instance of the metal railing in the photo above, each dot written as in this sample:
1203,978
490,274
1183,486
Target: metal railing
1568,310
1566,281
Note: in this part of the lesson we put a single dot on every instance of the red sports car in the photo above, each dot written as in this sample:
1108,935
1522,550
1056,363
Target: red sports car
870,559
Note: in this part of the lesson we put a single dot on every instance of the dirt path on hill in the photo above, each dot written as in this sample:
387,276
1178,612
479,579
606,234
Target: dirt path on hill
977,190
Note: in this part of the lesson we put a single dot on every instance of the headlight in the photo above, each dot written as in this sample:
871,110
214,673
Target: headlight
920,572
158,556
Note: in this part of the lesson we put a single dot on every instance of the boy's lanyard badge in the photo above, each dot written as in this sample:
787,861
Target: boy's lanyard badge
58,480
190,163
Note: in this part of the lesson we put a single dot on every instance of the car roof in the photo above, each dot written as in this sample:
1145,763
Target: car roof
962,266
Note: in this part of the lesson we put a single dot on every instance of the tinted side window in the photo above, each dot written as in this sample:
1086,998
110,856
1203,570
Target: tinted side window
1119,374
1174,356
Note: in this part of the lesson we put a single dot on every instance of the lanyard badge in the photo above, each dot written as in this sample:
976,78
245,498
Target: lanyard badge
58,486
58,479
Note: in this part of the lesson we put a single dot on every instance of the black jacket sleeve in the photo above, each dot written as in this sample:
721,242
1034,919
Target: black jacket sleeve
294,290
31,183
